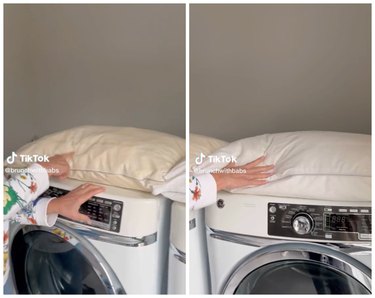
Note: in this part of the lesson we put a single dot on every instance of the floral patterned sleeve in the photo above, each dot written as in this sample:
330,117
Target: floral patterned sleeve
202,191
35,213
23,188
21,204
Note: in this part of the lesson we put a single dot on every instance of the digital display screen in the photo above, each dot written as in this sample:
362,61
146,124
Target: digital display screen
348,223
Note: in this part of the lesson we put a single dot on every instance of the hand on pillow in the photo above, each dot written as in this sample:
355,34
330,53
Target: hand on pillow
248,175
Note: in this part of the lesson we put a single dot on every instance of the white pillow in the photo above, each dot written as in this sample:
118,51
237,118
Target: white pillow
125,157
308,164
174,186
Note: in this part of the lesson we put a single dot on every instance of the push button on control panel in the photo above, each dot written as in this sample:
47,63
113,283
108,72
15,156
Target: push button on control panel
272,209
117,207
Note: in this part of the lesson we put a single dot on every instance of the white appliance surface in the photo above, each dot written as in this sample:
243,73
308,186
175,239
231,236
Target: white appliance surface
199,273
141,269
178,226
177,250
247,216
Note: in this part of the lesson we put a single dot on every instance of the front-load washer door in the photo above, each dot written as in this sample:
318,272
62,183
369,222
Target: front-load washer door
299,268
55,261
299,277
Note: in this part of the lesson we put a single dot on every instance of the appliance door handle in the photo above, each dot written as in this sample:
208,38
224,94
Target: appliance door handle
94,234
178,254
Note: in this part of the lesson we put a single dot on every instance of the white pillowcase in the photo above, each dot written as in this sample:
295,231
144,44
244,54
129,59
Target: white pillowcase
308,164
175,185
125,157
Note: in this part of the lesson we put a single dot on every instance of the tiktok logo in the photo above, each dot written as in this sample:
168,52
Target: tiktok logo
215,159
11,159
199,159
27,158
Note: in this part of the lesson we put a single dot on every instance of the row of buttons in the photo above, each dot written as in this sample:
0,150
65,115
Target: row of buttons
360,236
344,210
106,226
273,209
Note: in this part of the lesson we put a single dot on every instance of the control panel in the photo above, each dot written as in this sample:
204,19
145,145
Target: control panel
105,214
319,222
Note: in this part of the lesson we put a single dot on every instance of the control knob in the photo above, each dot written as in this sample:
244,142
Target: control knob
117,207
302,223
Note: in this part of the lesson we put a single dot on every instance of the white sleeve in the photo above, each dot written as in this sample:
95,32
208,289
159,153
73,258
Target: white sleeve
23,188
202,191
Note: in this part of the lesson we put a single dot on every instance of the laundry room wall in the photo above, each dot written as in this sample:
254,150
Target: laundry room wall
19,121
70,65
258,69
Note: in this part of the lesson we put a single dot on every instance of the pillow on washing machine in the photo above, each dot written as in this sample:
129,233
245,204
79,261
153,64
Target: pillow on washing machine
308,164
202,144
125,157
174,186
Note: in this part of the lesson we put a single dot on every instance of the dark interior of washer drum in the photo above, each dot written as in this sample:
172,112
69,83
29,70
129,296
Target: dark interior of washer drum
44,263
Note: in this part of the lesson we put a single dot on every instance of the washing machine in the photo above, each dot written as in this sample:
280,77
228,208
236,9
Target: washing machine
199,282
272,245
123,251
177,250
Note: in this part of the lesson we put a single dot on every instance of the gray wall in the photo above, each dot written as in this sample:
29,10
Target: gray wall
70,65
258,69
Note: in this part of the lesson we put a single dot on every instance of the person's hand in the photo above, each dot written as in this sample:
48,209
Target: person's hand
251,175
58,165
69,204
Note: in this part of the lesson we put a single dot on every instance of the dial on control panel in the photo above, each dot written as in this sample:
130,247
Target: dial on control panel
302,223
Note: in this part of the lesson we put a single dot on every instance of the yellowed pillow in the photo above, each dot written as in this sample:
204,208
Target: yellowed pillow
203,144
125,157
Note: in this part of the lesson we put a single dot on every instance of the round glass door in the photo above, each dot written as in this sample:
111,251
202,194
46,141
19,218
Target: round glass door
299,277
299,268
45,263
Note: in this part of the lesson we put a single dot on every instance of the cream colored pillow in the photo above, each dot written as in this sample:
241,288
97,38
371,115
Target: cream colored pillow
203,144
125,157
